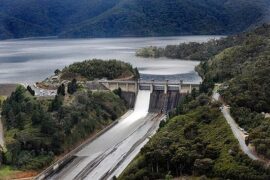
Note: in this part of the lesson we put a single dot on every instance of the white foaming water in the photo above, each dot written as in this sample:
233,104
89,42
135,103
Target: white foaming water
123,129
141,107
114,144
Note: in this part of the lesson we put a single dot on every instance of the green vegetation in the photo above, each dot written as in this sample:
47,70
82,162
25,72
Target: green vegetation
2,99
92,69
244,71
151,51
103,18
6,171
242,63
198,142
188,51
72,86
31,91
37,130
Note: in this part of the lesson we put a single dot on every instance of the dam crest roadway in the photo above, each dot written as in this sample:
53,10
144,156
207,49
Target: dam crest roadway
134,86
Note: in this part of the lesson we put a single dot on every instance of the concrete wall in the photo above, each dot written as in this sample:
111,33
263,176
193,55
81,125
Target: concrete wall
129,98
187,88
125,86
157,100
173,100
160,102
132,86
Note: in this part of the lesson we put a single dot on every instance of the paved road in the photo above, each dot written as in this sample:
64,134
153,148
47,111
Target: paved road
239,135
237,132
2,142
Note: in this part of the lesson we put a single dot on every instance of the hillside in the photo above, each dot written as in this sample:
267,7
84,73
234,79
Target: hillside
38,130
242,63
103,18
98,69
244,70
199,143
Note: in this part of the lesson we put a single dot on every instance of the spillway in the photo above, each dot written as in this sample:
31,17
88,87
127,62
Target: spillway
109,154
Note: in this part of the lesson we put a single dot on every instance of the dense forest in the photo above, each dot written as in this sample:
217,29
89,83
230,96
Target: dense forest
244,71
198,51
103,18
37,130
198,142
188,51
98,69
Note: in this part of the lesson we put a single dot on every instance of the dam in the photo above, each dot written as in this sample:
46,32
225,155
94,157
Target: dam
110,152
164,97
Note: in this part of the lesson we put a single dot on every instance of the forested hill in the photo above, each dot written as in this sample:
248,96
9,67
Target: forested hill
98,69
244,70
198,140
103,18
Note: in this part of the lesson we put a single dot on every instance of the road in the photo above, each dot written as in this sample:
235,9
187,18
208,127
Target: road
110,153
239,135
2,142
237,132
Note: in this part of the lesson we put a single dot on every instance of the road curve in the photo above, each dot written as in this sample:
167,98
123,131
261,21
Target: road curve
2,142
238,134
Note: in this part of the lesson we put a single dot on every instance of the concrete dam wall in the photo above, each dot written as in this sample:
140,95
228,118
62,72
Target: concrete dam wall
160,102
129,98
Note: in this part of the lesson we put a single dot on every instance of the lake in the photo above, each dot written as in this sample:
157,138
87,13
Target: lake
31,60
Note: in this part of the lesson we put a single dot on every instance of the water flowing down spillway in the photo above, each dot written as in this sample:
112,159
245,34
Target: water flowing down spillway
109,154
141,107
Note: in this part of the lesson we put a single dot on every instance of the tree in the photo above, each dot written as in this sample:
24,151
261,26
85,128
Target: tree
203,166
61,90
168,176
31,91
118,92
72,86
56,103
57,72
136,73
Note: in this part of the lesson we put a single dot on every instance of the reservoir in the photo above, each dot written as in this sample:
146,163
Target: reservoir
31,60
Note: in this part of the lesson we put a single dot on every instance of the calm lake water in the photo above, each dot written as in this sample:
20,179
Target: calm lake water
31,60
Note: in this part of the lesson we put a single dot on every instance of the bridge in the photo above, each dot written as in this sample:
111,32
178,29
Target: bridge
134,86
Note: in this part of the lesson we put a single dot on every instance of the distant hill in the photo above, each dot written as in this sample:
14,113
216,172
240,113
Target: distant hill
103,18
